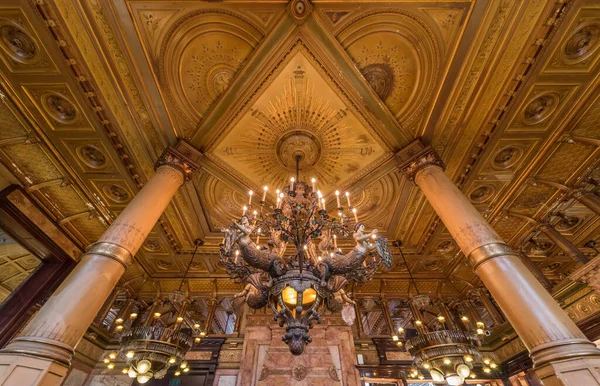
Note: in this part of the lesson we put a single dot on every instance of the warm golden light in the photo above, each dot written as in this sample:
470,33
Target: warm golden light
119,320
486,361
130,354
157,315
426,366
119,327
106,360
186,369
493,365
133,315
112,355
441,319
177,373
418,322
446,361
399,343
183,365
124,371
197,340
464,318
196,325
395,338
172,360
179,319
487,370
468,358
111,366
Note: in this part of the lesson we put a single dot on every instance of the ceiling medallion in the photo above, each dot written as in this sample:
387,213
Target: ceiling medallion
507,157
380,77
540,108
116,193
17,43
59,108
91,155
300,9
482,194
582,43
299,283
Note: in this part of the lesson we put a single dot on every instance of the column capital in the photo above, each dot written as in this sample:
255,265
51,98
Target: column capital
183,157
417,156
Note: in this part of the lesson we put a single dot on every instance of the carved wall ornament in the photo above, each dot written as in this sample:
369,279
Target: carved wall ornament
300,9
116,193
17,43
299,116
152,246
552,267
482,194
92,156
425,159
540,108
507,157
199,55
399,57
172,157
582,43
568,222
59,108
446,246
299,372
164,264
380,77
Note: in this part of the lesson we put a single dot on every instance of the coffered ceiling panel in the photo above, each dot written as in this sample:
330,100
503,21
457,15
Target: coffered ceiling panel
506,91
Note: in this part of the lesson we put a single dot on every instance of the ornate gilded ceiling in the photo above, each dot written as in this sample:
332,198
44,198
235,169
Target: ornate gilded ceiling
506,91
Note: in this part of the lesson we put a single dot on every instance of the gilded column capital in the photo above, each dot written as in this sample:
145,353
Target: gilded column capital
415,157
113,251
183,157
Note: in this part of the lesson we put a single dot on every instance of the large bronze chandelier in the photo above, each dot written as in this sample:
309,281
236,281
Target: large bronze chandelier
159,336
449,352
299,284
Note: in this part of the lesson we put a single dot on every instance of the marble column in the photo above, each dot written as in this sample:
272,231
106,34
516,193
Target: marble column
539,275
41,354
561,353
563,243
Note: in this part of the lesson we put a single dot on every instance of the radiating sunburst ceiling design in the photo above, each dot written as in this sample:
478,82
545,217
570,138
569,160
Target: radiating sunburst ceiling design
299,113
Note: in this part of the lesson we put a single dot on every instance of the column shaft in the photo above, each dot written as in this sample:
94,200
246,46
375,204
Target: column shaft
545,329
539,275
563,243
62,321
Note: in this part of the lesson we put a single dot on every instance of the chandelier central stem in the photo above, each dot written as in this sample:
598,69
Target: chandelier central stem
298,158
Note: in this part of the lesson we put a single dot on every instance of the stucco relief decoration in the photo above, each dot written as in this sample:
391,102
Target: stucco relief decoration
200,55
582,43
91,155
17,43
398,56
298,117
507,157
540,108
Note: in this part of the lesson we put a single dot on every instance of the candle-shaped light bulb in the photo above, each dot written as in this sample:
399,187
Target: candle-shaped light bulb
245,208
254,212
337,197
250,193
355,215
277,191
348,199
292,183
278,202
237,255
314,183
335,241
323,203
264,193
